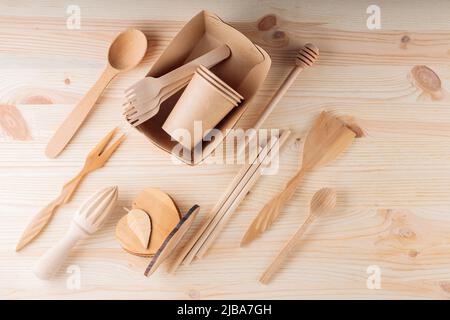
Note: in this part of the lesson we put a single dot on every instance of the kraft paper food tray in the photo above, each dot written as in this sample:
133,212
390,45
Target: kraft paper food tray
244,71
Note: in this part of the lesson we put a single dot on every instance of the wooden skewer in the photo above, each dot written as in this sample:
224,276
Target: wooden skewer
306,57
218,212
191,248
188,252
233,203
236,192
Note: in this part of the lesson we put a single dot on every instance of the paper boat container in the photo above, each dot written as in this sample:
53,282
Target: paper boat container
244,71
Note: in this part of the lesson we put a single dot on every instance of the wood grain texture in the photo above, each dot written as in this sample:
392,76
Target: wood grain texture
394,185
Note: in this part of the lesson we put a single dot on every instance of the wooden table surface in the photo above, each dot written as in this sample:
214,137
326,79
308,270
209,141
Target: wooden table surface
393,184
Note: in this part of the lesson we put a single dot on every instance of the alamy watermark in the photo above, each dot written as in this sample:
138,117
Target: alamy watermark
374,20
261,147
73,21
73,282
373,281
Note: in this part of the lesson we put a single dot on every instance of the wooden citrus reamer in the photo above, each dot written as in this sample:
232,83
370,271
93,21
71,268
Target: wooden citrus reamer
305,58
327,139
88,219
322,202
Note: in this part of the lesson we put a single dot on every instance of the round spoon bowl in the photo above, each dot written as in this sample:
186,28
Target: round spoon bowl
323,201
127,50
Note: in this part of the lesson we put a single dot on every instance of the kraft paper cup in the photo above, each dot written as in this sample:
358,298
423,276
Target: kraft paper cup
200,101
209,75
223,90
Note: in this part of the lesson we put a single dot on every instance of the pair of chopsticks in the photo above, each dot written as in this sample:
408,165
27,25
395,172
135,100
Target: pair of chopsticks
199,244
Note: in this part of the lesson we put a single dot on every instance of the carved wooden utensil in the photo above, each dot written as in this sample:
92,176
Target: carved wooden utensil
95,160
142,93
327,139
322,202
87,220
125,53
135,118
305,58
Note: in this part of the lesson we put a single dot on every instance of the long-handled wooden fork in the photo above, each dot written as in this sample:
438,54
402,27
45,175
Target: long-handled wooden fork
95,160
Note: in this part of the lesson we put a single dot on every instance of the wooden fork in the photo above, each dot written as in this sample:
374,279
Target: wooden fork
147,89
95,160
135,118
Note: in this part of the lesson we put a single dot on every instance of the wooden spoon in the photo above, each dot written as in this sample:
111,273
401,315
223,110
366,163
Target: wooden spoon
327,139
125,53
322,202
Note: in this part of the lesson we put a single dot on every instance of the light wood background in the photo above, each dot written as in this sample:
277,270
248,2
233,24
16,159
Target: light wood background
393,183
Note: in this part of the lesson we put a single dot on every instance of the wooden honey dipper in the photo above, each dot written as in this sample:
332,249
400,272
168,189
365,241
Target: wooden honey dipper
305,58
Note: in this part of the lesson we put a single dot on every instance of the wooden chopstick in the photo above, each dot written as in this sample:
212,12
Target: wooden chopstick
219,213
190,250
244,188
253,168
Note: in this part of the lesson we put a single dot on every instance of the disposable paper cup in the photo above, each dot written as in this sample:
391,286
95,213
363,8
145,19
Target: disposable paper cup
200,101
231,94
211,77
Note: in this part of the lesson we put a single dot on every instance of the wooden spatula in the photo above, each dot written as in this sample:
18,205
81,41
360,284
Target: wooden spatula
326,140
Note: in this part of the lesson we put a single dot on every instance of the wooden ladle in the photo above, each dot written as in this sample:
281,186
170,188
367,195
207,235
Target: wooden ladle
326,140
125,53
322,202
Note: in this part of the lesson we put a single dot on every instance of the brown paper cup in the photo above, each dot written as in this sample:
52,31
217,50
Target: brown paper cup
202,102
219,83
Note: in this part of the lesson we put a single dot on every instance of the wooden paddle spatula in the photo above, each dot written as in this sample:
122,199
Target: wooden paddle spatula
326,140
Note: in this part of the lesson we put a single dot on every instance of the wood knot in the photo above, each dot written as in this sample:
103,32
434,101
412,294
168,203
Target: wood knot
37,99
413,253
66,81
406,233
13,124
267,22
194,294
279,35
270,33
426,79
404,41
